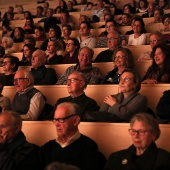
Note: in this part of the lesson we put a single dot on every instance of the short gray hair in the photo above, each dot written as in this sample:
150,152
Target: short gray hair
91,51
9,40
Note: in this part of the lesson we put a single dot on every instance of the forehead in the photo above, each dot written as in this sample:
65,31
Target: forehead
51,42
112,35
7,59
62,111
74,75
83,25
37,53
19,74
85,51
154,36
5,119
127,74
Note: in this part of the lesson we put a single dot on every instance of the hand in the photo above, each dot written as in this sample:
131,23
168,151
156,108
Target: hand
149,81
3,138
110,100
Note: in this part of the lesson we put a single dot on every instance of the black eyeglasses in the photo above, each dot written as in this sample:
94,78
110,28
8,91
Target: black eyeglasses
140,132
73,80
62,120
5,62
18,79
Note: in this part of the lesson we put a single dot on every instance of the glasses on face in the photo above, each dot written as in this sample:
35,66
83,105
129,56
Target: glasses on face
119,57
111,39
139,132
153,41
62,120
72,80
109,26
5,62
124,79
18,80
69,44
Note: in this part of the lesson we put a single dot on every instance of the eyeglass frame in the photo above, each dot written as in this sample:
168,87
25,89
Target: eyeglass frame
69,44
126,79
111,39
19,79
5,62
139,132
153,41
72,80
62,120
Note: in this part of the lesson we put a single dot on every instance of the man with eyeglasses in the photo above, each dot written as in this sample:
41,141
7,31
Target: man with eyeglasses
76,84
155,39
70,146
28,101
113,42
15,151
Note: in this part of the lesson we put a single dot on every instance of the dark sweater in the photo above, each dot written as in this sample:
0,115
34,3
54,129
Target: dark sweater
44,76
104,56
82,153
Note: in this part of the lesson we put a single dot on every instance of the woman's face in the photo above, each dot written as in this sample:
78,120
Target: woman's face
70,46
5,43
157,15
27,52
51,33
167,24
143,140
110,27
126,83
66,31
137,27
38,33
159,57
142,4
126,10
16,33
120,59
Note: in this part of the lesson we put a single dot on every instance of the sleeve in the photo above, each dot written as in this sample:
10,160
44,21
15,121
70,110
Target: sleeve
163,107
50,77
36,106
5,103
144,56
96,76
92,43
63,78
98,57
143,39
130,40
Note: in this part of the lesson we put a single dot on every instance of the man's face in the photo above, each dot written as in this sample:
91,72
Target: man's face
75,85
63,18
7,129
112,41
51,33
67,128
37,59
84,57
84,30
51,48
20,81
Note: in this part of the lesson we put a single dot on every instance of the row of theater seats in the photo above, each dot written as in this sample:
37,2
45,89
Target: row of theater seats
116,138
97,92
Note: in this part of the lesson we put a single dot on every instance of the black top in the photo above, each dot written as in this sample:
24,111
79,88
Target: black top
56,59
104,56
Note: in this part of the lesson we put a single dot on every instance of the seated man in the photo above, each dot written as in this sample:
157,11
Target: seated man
42,75
93,74
15,150
113,42
76,84
28,101
70,146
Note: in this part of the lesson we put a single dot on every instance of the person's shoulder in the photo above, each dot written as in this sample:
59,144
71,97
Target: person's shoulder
49,143
167,92
86,139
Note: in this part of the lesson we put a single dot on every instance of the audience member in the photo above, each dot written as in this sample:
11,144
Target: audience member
20,9
150,11
70,7
52,57
15,150
65,19
72,50
70,146
2,53
57,10
8,19
76,84
29,26
154,39
9,66
138,37
45,7
113,42
143,6
66,32
144,131
166,22
98,12
63,5
127,8
5,103
85,38
110,26
39,33
122,58
53,33
28,102
163,4
83,18
28,49
93,74
159,71
49,20
10,9
41,74
123,106
125,20
163,107
7,43
89,6
18,35
158,15
6,31
40,11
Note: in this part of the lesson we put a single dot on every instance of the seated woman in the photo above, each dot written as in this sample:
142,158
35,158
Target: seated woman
7,43
159,71
158,15
143,6
163,107
18,35
39,33
5,103
29,26
28,49
123,106
9,66
138,37
72,50
66,32
144,131
122,58
6,31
